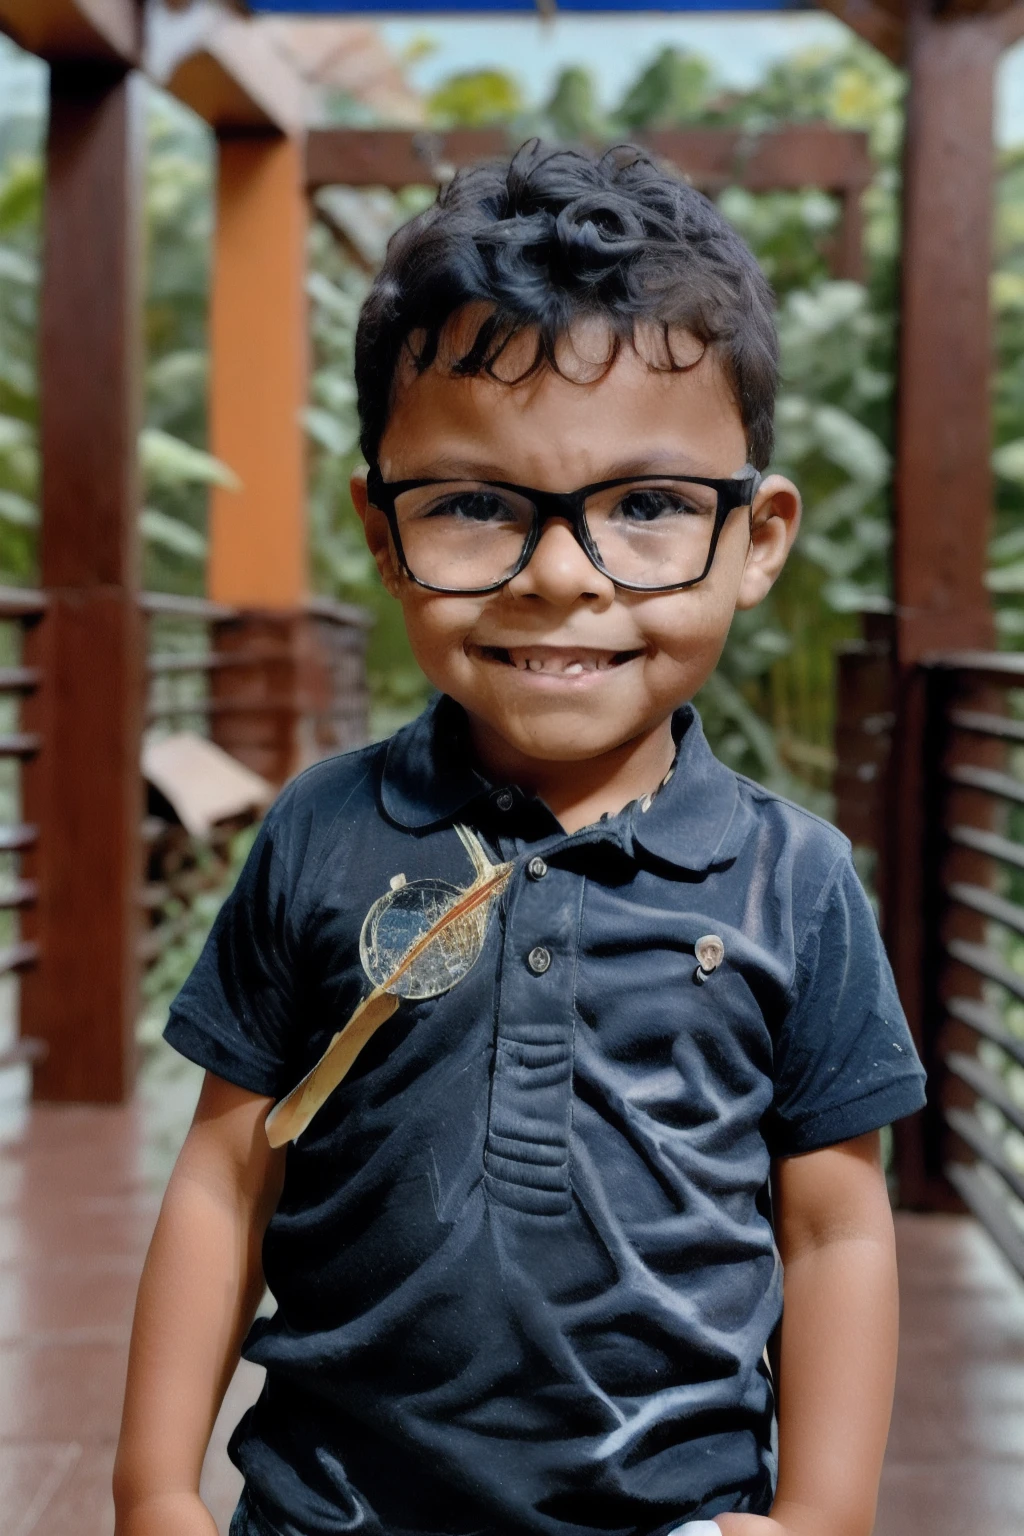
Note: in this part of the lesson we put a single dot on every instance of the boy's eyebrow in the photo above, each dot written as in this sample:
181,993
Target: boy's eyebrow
477,469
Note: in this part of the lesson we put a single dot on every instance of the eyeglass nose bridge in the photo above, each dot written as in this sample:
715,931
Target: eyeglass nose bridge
564,506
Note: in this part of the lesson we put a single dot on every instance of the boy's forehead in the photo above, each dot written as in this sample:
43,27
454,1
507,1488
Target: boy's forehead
600,405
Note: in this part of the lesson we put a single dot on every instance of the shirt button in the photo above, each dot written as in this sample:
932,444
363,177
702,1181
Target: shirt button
536,869
538,960
504,800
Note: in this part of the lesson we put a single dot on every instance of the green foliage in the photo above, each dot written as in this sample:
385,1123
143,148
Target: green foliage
341,563
474,98
176,471
1006,574
574,111
20,204
165,977
671,91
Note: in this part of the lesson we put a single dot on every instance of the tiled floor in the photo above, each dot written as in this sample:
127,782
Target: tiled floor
79,1190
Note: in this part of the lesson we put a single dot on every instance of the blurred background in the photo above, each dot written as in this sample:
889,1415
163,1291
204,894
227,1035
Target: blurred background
193,201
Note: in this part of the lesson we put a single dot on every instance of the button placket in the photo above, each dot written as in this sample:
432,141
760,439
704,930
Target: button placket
527,1150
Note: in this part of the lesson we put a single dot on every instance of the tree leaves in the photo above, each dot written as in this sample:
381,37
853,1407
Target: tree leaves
167,461
172,534
1008,461
673,90
474,98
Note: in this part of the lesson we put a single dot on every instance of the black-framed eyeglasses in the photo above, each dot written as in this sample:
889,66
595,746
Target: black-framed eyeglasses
646,533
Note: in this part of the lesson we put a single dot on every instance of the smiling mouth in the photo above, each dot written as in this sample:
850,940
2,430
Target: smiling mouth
555,660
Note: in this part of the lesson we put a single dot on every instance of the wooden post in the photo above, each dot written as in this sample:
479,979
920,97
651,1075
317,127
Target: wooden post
263,701
943,481
258,374
944,430
84,791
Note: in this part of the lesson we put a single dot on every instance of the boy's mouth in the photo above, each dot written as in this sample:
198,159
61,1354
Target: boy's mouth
559,661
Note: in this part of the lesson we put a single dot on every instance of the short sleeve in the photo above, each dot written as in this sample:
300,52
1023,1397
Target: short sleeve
845,1062
234,1014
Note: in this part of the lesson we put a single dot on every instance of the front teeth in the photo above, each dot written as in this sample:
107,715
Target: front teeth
552,664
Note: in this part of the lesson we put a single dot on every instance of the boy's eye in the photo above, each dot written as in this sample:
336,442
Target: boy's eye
644,504
472,506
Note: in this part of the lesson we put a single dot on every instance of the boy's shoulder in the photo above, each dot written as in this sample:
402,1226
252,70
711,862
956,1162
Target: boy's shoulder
315,810
792,847
326,787
735,821
811,832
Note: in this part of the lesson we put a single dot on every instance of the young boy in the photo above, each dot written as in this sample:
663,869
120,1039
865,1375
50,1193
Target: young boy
529,1254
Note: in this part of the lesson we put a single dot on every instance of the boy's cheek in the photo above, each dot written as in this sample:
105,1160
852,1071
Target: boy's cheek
437,627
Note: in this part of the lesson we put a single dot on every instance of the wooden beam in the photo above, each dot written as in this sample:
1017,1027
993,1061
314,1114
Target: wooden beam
84,791
75,29
874,23
806,155
395,157
943,478
223,67
258,374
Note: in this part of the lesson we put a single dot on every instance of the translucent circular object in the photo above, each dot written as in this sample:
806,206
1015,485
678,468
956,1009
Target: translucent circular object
398,922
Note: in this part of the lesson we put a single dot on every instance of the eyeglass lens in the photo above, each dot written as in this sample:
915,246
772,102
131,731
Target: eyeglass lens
466,534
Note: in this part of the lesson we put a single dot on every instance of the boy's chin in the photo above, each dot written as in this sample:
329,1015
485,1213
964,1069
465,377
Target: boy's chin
568,737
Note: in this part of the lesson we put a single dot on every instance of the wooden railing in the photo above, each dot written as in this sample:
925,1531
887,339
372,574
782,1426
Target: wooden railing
20,741
180,658
973,1036
275,690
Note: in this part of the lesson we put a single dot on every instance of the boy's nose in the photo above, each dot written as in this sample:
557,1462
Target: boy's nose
560,571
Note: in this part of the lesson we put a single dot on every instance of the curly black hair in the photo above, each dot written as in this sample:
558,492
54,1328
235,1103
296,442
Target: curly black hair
555,236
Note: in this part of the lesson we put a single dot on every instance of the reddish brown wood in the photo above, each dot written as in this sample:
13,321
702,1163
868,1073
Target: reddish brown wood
296,687
75,29
806,155
876,23
865,715
784,159
943,482
847,255
84,790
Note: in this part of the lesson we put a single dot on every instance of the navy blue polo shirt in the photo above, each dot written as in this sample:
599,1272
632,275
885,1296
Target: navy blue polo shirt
523,1258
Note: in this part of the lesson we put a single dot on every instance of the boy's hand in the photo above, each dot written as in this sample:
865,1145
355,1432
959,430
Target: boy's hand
803,1522
181,1513
751,1525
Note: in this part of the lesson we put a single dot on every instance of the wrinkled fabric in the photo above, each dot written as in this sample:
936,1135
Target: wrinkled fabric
523,1259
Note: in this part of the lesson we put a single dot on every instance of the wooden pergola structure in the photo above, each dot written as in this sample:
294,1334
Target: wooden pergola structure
84,790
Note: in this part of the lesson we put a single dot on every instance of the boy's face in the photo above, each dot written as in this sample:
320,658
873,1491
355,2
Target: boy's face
641,654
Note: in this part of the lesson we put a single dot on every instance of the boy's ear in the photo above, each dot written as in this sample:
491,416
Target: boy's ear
376,531
774,521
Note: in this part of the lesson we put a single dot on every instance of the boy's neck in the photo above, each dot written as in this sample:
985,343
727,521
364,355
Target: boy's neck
579,792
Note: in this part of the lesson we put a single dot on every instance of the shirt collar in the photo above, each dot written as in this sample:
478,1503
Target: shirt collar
698,819
428,768
695,821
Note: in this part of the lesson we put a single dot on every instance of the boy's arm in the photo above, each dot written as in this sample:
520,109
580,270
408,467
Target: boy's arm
200,1288
837,1358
